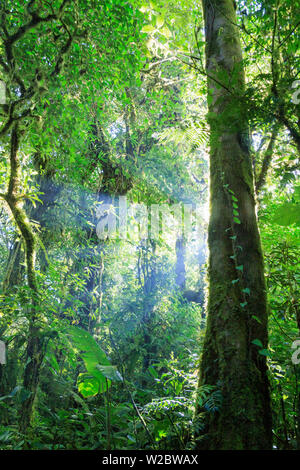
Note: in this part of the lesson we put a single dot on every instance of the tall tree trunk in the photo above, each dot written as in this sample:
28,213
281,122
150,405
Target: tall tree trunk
34,355
296,307
180,272
237,310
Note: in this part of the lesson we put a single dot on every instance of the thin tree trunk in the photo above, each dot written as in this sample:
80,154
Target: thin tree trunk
237,310
267,158
180,272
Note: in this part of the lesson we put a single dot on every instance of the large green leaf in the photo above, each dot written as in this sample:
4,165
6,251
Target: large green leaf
110,372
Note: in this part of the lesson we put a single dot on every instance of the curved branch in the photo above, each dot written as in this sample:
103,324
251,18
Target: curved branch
267,158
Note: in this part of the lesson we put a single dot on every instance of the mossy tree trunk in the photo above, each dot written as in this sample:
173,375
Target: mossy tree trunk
34,350
237,310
